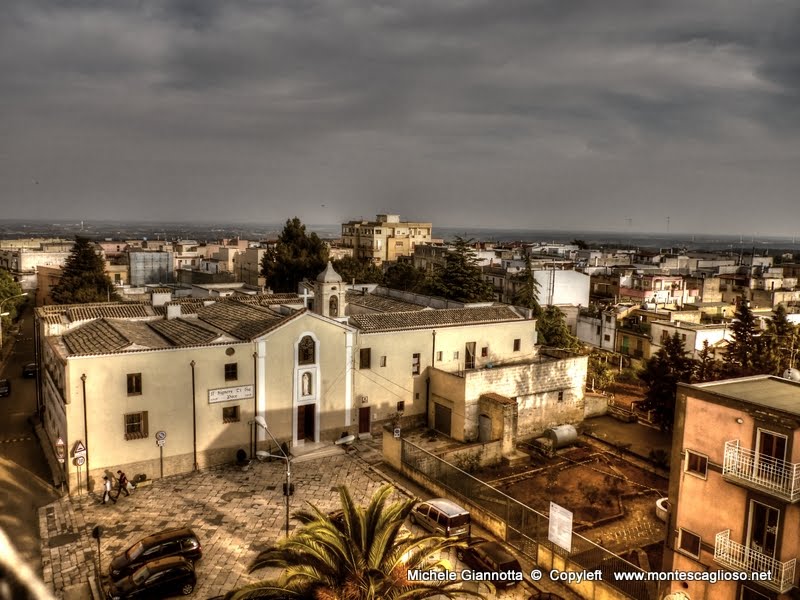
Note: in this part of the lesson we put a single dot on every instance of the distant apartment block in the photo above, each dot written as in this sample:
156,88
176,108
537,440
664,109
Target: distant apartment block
384,239
150,267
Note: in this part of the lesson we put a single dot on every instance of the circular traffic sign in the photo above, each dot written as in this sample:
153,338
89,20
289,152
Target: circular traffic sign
161,435
80,461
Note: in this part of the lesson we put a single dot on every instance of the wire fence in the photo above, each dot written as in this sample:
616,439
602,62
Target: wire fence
527,529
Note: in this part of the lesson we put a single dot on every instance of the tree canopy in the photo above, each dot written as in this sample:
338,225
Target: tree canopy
361,554
8,289
405,276
355,269
83,277
661,374
297,255
741,351
553,330
461,278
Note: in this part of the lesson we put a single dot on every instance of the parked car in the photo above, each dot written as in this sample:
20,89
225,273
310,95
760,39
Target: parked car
29,370
170,542
443,517
483,555
5,387
156,579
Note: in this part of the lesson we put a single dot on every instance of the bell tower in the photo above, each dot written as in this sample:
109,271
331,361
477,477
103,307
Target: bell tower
329,294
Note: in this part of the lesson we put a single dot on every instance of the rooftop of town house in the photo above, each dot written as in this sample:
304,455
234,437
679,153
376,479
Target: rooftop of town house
761,390
240,320
123,310
189,306
425,319
267,299
186,332
379,303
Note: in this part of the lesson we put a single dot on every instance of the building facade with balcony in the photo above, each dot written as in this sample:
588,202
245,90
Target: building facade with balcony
735,488
384,239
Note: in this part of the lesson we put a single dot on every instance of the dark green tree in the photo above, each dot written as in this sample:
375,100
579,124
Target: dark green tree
83,277
661,374
527,293
363,554
297,256
461,278
708,369
405,276
741,349
581,244
554,332
9,289
358,270
783,341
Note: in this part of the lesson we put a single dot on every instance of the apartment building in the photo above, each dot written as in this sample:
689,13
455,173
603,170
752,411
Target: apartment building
385,239
735,487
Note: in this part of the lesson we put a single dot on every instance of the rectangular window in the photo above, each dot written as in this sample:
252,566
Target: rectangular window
517,343
383,361
455,355
134,384
696,464
136,425
561,396
689,542
364,356
484,351
401,405
231,371
415,364
439,356
607,337
230,414
608,319
598,330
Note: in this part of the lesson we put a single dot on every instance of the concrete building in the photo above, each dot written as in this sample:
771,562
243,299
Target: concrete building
384,239
247,266
692,335
22,258
150,266
735,487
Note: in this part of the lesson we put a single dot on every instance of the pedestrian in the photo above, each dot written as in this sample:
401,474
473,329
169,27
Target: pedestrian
122,482
107,490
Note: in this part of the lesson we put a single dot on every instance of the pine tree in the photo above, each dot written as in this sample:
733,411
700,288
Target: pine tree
662,373
83,277
553,330
707,367
461,278
784,338
297,256
405,276
527,294
358,270
741,349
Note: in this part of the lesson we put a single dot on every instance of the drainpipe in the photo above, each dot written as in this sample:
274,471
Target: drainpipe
254,446
433,348
85,431
194,419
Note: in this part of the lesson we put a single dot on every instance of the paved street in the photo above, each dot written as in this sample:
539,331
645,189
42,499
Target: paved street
25,479
235,513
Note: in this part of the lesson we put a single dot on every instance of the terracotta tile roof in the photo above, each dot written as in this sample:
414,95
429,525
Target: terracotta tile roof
498,398
63,308
160,290
425,319
240,320
52,319
97,337
129,310
381,303
185,332
189,306
268,299
139,333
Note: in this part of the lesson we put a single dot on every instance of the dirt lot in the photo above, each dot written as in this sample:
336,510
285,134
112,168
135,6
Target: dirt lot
592,484
625,393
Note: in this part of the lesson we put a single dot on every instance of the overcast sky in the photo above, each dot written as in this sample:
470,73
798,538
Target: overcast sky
563,114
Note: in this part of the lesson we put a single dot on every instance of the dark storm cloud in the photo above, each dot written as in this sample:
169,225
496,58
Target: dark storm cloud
515,113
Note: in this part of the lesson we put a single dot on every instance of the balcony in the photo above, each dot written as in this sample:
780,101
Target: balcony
769,475
737,557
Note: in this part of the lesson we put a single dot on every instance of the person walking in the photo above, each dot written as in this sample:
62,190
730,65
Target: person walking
107,490
122,482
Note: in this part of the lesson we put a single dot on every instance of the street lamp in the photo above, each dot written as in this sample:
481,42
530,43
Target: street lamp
2,314
287,487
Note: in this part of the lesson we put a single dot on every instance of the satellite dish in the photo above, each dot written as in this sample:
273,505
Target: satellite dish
792,375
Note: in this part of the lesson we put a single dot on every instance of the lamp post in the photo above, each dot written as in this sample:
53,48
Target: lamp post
4,314
287,487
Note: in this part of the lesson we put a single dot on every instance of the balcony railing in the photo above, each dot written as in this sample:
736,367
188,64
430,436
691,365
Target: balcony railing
738,557
764,473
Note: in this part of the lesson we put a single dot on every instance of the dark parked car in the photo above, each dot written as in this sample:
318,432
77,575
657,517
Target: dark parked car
5,387
156,579
29,370
493,557
170,542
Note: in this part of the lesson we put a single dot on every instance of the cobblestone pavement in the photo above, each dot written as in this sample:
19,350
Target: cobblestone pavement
235,513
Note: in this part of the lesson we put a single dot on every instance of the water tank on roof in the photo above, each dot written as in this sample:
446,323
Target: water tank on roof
562,436
792,374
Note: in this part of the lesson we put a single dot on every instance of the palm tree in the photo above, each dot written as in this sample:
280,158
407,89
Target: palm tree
355,554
